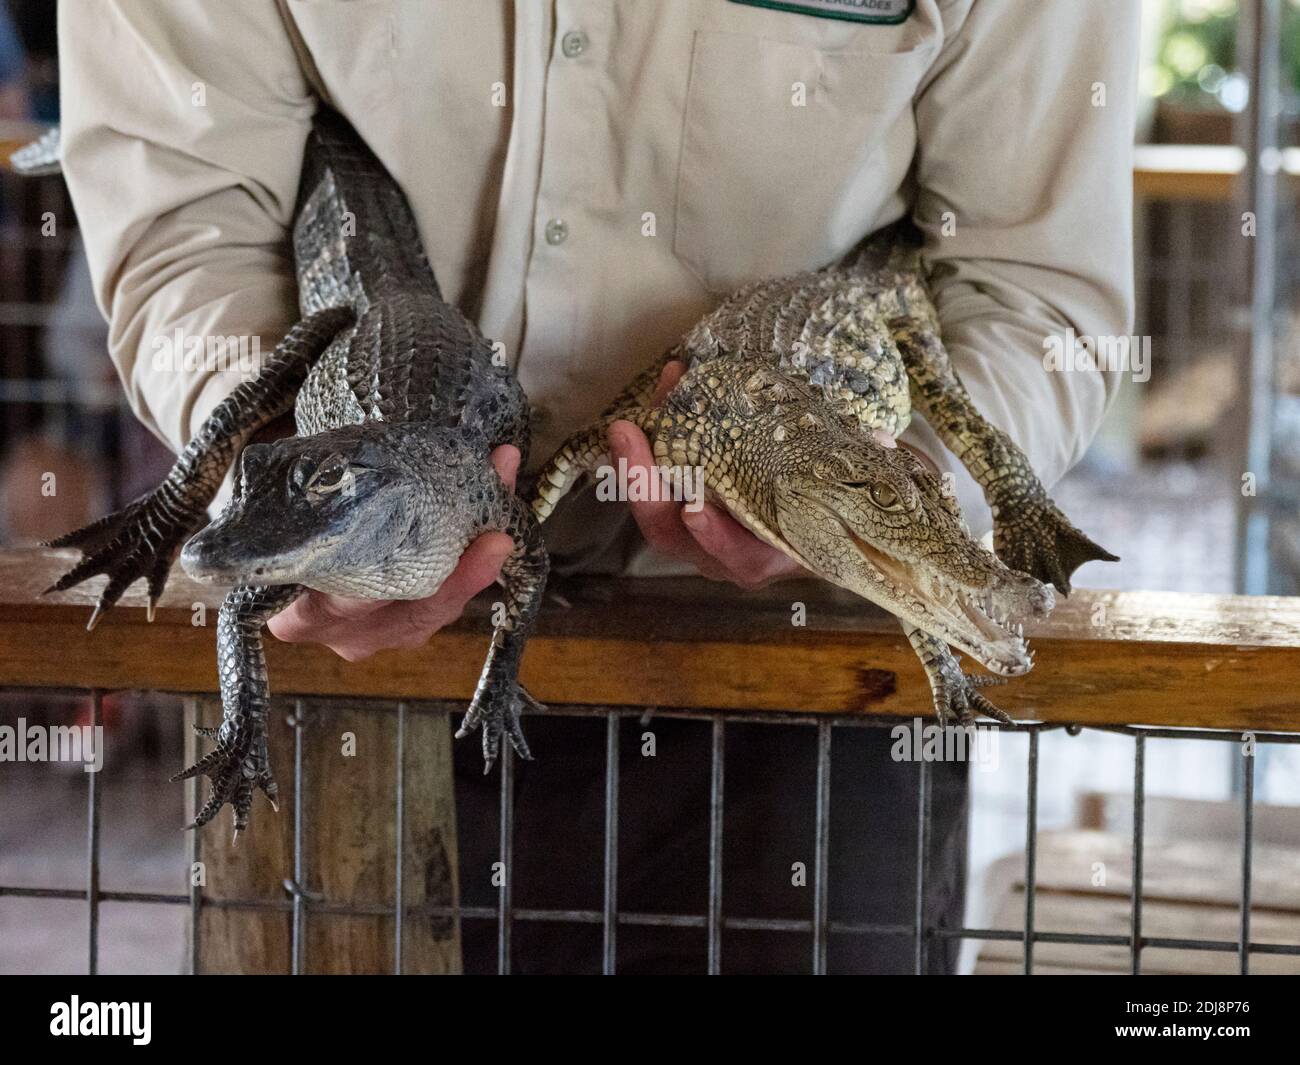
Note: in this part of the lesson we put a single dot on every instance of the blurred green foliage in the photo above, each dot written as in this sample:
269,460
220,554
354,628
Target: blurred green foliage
1195,59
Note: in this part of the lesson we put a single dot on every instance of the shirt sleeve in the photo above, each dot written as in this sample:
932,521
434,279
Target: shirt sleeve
1024,192
184,127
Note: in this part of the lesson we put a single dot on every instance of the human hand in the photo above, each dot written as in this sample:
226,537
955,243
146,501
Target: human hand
708,538
356,628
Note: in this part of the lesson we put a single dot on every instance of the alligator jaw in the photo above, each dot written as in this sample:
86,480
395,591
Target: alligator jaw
203,559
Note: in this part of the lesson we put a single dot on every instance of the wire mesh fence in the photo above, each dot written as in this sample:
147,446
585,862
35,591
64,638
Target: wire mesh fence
302,899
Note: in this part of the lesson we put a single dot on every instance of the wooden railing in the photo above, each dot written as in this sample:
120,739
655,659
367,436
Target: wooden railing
1205,172
1152,658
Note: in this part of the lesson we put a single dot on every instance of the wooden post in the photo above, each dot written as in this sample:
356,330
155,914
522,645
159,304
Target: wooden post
348,839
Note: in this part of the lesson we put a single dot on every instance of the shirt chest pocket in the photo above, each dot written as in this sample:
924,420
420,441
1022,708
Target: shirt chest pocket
353,46
789,153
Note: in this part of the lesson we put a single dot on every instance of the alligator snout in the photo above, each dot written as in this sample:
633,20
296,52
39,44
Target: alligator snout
221,553
207,556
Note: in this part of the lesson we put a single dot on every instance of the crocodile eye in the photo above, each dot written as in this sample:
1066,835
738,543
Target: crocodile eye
883,496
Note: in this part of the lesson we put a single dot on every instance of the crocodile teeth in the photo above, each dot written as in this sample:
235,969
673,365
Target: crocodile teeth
982,602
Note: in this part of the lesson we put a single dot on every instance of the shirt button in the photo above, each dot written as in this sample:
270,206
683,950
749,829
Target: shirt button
557,231
573,43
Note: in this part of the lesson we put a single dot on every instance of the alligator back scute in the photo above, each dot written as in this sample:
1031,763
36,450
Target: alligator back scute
411,356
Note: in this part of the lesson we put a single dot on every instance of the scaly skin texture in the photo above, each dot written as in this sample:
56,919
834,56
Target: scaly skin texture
785,383
398,400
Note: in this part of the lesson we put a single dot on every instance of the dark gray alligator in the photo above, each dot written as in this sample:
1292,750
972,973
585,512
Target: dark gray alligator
398,400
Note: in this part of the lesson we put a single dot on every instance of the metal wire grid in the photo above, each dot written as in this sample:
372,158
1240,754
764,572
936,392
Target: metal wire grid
301,900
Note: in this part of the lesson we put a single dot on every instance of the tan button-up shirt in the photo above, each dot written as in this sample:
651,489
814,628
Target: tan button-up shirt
590,175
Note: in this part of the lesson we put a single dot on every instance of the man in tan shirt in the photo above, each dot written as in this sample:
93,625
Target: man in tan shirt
590,175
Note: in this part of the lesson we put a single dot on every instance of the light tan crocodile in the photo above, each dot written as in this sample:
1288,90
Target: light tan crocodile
785,382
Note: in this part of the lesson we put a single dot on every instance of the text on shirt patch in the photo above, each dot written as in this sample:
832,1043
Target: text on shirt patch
884,12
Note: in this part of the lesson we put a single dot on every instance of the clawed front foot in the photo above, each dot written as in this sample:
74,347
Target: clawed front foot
140,540
239,764
1034,537
499,702
955,694
499,716
957,699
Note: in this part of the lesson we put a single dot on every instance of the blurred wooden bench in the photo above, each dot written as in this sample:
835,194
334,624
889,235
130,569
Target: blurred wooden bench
1191,889
1202,172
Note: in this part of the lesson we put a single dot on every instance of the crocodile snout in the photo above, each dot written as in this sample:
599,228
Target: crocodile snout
1018,595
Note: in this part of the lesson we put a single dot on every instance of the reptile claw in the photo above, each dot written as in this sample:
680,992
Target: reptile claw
1039,540
235,767
138,541
956,698
499,714
955,695
500,700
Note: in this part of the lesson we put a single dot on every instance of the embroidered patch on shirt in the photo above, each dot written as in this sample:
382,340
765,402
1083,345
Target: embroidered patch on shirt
884,12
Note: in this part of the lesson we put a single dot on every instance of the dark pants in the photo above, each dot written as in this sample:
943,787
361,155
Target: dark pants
770,796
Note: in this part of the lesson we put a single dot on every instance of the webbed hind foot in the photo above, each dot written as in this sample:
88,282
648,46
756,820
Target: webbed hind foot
1034,537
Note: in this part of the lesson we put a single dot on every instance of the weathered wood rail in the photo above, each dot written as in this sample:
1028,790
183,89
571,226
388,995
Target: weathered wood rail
1103,658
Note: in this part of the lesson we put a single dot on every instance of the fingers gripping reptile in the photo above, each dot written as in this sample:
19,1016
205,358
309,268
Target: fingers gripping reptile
786,381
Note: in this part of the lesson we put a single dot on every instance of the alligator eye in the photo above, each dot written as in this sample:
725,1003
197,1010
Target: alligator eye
883,496
332,475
